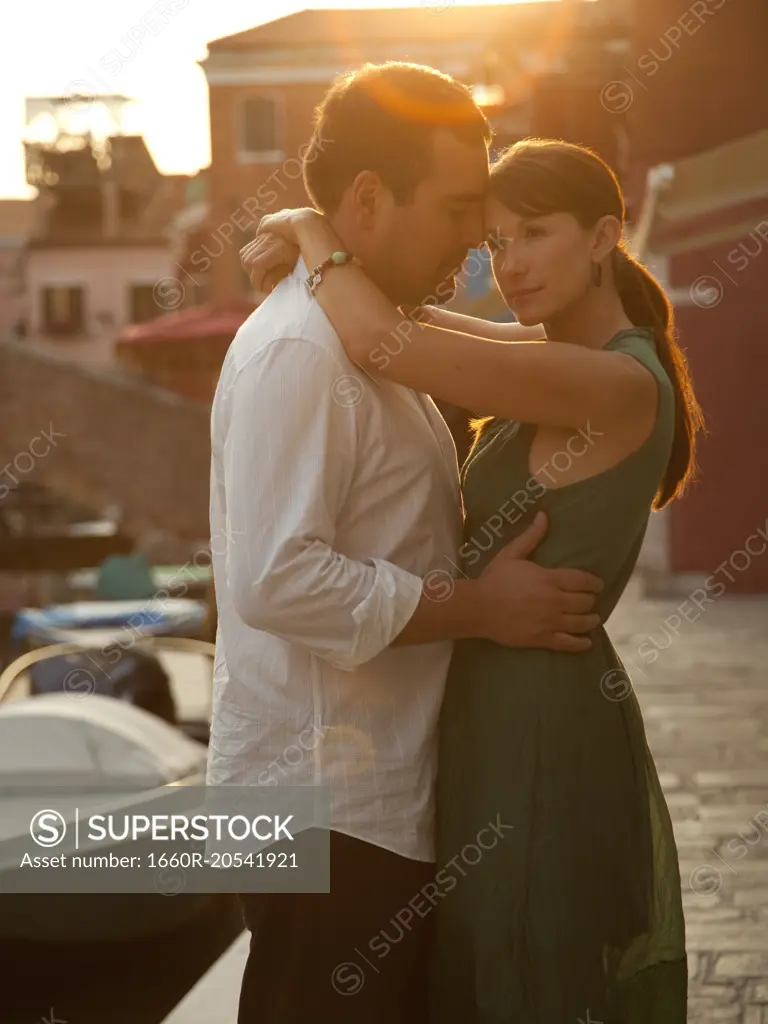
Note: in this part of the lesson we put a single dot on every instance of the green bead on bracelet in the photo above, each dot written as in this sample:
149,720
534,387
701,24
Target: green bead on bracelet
336,259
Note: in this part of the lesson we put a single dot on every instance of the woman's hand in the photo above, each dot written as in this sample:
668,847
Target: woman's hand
285,223
267,260
273,253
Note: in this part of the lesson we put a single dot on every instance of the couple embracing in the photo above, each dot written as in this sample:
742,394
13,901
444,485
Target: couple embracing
501,851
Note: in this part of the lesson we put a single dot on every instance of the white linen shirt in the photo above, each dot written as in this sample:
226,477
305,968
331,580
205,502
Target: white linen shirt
332,497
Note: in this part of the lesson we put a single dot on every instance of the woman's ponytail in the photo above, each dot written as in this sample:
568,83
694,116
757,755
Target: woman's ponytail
646,305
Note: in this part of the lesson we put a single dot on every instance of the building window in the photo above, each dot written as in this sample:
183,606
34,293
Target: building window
63,310
260,130
142,305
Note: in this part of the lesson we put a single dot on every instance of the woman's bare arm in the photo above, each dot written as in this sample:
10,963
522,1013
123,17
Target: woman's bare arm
449,320
554,384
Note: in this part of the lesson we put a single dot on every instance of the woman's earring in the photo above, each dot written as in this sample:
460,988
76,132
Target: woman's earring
597,274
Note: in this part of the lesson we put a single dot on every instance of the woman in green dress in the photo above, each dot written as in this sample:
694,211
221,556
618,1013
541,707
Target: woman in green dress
574,913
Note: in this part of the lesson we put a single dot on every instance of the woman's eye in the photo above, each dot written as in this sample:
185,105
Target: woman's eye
533,232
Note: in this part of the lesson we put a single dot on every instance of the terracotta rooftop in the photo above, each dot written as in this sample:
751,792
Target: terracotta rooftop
194,324
428,22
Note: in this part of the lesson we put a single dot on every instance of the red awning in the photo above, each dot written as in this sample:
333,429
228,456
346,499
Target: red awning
221,320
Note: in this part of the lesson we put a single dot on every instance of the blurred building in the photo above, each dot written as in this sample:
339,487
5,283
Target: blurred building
188,233
17,221
694,98
101,250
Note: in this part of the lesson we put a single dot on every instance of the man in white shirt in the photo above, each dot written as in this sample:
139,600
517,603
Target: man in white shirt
336,522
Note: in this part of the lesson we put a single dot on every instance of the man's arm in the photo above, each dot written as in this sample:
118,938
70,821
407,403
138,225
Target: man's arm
289,462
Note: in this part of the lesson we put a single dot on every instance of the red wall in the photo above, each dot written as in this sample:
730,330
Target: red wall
698,75
701,79
727,346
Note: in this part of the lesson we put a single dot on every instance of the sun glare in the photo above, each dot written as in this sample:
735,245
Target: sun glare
163,75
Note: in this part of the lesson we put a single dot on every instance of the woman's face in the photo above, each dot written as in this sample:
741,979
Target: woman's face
542,265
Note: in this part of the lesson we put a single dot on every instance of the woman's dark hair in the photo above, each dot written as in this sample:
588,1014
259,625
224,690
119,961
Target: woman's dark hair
536,177
381,118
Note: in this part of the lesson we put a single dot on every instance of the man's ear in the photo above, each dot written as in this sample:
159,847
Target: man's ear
365,197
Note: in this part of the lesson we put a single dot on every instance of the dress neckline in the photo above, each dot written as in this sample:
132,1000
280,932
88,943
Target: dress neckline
649,332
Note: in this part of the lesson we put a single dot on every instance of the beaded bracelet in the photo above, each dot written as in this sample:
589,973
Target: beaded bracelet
337,259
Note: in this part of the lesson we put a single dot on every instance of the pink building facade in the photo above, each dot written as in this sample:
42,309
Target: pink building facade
81,296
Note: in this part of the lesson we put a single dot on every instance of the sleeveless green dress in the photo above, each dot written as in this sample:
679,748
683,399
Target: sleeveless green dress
557,867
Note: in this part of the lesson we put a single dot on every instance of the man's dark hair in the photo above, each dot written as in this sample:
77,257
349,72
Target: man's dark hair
381,118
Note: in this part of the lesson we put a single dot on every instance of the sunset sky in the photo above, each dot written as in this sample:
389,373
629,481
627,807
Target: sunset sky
52,48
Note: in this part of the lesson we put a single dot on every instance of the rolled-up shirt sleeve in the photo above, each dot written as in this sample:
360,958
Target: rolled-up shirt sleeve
289,460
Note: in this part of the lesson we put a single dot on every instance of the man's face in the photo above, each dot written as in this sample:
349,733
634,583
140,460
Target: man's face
418,246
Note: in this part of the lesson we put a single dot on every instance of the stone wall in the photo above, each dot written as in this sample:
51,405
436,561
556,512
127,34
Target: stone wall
102,438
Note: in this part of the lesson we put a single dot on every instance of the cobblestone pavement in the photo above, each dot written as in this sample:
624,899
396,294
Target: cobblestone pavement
701,676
